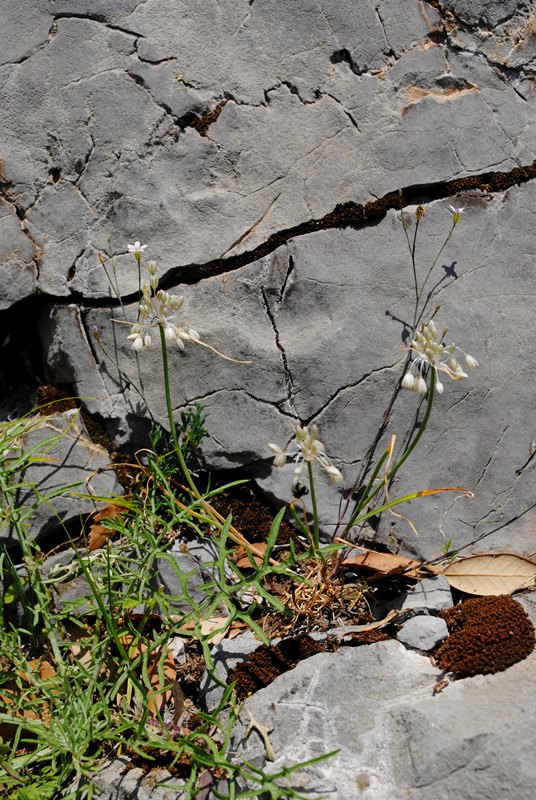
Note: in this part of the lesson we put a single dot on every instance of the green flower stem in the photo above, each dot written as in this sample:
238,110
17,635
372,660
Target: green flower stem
316,536
411,247
405,455
11,772
182,462
417,317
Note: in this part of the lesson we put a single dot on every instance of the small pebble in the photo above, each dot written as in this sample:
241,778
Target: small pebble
423,632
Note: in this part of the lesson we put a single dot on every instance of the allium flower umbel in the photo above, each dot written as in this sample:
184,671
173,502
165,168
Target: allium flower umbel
429,351
305,447
157,309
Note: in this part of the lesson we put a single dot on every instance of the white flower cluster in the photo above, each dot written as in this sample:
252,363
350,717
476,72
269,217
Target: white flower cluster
307,448
157,309
429,351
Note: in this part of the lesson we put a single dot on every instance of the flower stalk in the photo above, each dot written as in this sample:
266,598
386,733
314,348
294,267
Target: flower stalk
173,429
306,448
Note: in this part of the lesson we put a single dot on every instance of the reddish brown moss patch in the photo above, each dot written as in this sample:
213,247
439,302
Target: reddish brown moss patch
266,663
487,634
368,637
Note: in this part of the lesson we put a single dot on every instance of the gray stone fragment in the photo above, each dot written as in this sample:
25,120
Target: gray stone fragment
188,565
376,705
66,581
423,632
430,593
18,255
118,779
487,12
528,601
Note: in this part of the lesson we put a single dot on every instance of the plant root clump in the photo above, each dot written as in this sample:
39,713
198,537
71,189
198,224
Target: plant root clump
487,634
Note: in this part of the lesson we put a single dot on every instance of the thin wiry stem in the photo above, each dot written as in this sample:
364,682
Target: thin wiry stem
366,500
316,535
173,429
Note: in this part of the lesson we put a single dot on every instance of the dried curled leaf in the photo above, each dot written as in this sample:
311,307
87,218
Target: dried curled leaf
34,708
388,564
99,534
243,560
491,574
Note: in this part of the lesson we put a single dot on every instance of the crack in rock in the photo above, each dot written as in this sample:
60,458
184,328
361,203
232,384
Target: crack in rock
272,314
350,214
357,216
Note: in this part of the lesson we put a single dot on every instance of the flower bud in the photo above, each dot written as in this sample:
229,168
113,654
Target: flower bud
408,381
280,458
334,474
471,362
420,385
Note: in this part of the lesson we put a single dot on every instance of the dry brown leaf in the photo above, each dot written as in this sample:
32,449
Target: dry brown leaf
211,628
491,574
369,626
160,696
46,672
236,628
208,626
243,561
385,563
98,534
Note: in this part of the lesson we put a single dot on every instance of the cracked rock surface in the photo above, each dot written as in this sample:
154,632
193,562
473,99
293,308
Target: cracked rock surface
259,147
395,737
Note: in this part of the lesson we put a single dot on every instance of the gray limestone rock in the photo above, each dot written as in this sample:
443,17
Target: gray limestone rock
423,632
226,655
67,471
118,779
432,594
322,321
528,601
395,736
301,90
185,569
118,126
